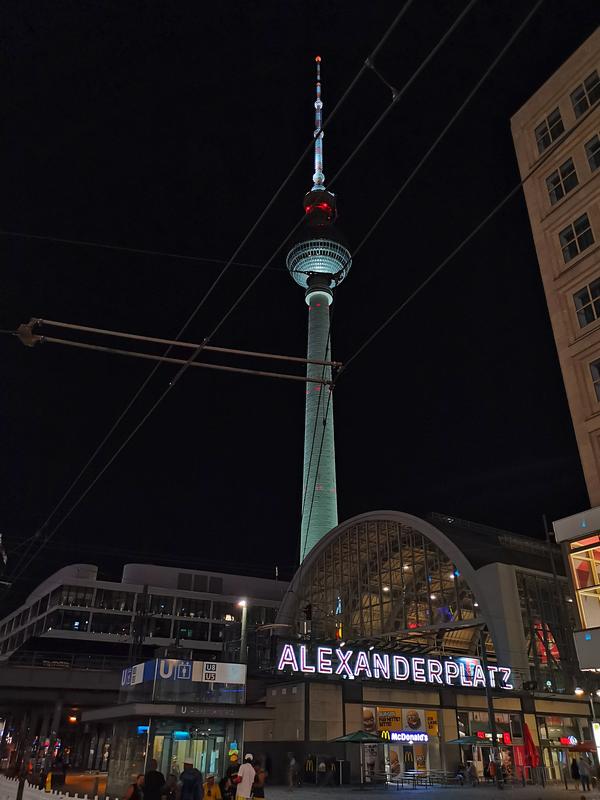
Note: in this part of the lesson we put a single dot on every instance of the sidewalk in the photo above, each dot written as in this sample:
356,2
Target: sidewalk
487,792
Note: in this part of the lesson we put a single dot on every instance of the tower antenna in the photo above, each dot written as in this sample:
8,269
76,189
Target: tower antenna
318,177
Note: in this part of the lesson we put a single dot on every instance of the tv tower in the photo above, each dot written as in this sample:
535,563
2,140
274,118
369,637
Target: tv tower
318,260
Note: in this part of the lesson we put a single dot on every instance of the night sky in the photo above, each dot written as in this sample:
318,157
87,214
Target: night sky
168,126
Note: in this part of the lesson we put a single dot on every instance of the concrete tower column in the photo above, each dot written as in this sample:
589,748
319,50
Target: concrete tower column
319,499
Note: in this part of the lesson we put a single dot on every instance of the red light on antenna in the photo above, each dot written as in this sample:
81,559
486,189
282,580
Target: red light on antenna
318,59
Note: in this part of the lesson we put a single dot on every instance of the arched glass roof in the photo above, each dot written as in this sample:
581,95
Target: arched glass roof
386,577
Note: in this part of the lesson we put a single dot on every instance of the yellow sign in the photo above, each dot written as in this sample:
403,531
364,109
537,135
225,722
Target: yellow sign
385,734
389,719
431,720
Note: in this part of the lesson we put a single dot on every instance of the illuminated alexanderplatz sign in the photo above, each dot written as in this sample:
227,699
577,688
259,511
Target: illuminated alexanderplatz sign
392,667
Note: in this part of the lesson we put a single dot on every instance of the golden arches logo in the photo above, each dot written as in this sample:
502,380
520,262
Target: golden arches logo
385,735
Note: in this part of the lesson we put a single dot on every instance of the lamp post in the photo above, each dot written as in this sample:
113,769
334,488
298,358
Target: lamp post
244,632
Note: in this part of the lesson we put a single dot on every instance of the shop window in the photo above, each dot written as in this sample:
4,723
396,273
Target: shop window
114,600
161,604
190,607
114,624
192,630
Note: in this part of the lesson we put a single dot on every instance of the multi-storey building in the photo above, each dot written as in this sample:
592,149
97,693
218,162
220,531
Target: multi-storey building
557,141
152,606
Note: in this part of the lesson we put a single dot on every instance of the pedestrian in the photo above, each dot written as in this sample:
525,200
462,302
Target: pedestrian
154,782
258,787
585,771
212,789
136,790
460,774
291,771
190,783
246,775
169,790
472,774
574,770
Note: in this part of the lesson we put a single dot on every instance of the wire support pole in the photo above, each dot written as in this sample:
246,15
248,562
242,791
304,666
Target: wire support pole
190,345
180,361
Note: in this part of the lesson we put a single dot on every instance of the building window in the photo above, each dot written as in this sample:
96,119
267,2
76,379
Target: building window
592,151
549,130
187,607
114,600
161,604
587,303
200,583
215,585
561,181
586,94
159,628
576,238
192,630
585,567
111,623
184,581
595,370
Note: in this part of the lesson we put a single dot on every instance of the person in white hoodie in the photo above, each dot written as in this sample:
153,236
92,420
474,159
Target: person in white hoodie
246,774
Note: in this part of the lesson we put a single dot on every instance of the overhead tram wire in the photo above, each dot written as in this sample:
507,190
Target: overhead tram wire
450,123
26,558
134,250
420,164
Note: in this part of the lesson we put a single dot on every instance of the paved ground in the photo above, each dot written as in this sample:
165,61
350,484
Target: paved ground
484,792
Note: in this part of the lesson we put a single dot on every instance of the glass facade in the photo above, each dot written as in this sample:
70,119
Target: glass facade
381,577
548,626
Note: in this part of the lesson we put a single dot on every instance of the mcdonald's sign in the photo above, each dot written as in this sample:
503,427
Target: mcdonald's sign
385,735
409,737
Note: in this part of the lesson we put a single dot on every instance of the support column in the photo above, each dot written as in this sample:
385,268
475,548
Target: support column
319,497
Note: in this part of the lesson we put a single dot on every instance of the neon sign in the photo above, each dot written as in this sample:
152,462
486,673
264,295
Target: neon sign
404,736
392,667
568,740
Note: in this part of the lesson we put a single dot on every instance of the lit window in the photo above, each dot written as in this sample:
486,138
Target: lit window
587,303
592,151
586,94
576,238
595,370
549,130
561,181
585,569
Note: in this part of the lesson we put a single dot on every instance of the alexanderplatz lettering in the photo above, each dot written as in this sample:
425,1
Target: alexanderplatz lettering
394,667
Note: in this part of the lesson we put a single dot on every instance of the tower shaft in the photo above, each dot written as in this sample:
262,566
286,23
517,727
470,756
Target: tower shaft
319,506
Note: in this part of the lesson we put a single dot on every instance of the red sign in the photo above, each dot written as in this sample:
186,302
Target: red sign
481,734
506,738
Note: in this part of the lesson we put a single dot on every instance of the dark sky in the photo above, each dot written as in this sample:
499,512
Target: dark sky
168,126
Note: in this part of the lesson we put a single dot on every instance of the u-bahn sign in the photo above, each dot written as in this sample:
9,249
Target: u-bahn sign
393,667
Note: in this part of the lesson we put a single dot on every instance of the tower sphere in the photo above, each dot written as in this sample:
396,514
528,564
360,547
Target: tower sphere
318,252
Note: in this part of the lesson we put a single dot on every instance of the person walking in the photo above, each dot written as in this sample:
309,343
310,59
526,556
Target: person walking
258,787
190,783
136,790
292,771
574,770
212,789
585,771
153,782
246,775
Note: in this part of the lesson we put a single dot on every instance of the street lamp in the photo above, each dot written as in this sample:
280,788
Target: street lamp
244,633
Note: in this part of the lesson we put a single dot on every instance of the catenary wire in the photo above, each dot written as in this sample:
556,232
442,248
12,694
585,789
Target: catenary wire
26,558
135,250
449,124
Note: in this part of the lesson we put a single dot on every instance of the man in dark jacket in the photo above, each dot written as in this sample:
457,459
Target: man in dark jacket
153,782
190,783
